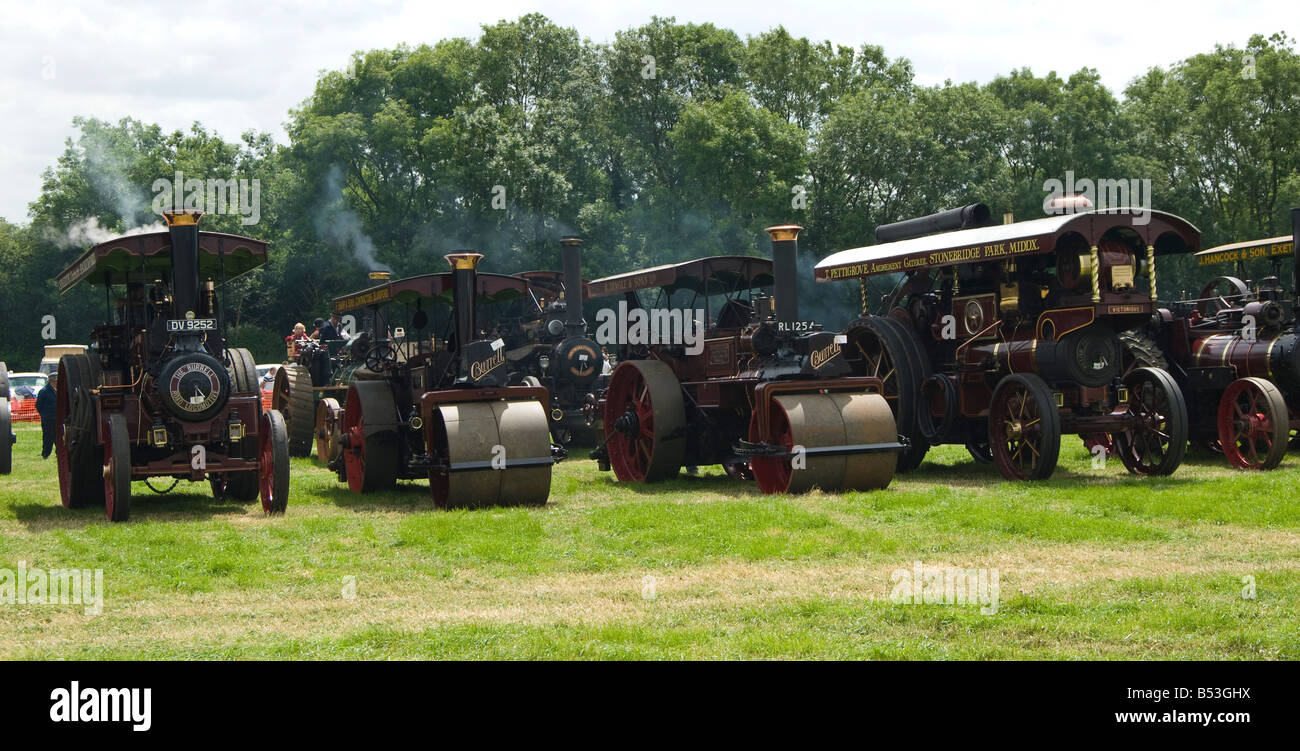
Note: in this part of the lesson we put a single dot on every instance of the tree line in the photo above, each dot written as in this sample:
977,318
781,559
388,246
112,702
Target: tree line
672,141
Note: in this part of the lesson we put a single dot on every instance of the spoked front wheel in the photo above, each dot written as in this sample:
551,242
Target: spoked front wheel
117,470
1157,442
273,462
1024,428
1253,424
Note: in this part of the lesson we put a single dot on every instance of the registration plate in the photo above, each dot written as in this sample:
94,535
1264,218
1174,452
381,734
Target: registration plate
188,325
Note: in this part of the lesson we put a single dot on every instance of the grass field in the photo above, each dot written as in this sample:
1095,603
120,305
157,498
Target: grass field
1093,564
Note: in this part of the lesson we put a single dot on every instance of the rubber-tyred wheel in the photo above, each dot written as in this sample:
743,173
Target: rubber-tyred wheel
369,460
273,462
1024,428
645,422
1253,424
1158,441
329,428
880,347
117,470
293,398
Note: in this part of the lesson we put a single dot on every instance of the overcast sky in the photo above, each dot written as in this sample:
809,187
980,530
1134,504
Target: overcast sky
242,64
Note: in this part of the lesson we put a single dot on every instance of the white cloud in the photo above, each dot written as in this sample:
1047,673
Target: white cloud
243,64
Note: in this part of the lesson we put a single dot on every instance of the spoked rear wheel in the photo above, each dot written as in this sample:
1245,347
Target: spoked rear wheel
1253,424
273,462
644,422
117,470
1158,442
1024,428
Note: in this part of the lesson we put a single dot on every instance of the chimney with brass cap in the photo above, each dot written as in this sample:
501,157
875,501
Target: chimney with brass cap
183,227
464,273
785,268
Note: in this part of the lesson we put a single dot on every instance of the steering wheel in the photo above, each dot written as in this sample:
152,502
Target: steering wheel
381,357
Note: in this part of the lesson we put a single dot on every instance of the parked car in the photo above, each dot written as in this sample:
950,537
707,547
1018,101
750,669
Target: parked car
23,388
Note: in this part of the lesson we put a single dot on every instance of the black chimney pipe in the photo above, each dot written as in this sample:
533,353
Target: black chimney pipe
464,277
571,258
785,269
183,227
966,217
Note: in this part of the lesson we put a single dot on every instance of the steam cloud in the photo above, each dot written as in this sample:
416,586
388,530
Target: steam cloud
340,227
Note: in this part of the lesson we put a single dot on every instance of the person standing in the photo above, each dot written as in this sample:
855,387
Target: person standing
47,401
329,330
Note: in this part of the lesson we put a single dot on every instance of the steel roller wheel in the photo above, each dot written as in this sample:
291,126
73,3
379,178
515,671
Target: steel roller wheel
818,420
1024,428
644,422
76,433
369,437
484,432
273,462
293,398
1254,427
1159,442
6,438
329,429
4,380
877,347
117,470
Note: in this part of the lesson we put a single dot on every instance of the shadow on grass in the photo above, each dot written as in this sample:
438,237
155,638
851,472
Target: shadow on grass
405,496
158,507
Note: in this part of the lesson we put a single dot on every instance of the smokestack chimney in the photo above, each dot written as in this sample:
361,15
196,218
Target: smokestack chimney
571,258
380,276
184,229
785,268
464,274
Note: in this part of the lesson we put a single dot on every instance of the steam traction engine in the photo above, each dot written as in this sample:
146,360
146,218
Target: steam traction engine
770,396
442,410
1003,337
159,394
551,347
1236,353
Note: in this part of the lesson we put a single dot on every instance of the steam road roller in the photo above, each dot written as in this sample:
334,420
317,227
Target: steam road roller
442,409
1004,337
767,395
159,395
1235,351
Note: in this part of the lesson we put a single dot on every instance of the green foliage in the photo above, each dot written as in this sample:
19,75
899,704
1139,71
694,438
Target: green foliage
672,141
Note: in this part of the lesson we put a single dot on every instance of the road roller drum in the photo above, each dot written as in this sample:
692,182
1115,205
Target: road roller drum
497,453
830,423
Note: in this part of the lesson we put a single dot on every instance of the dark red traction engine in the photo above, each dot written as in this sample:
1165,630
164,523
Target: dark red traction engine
159,394
1004,337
